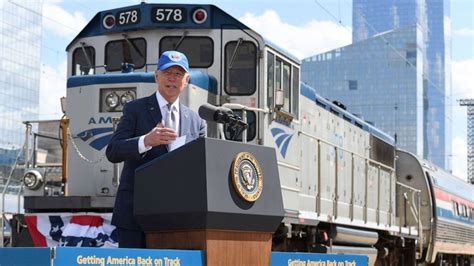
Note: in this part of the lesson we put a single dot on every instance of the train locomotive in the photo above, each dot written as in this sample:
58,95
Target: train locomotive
345,186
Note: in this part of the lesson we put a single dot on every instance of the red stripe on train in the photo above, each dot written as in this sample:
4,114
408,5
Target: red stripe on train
445,196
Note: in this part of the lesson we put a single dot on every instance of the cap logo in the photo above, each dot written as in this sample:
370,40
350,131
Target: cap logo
175,57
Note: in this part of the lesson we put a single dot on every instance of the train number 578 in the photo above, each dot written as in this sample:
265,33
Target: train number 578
168,15
128,17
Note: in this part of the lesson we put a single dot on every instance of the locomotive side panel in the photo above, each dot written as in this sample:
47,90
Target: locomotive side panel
327,167
310,158
344,175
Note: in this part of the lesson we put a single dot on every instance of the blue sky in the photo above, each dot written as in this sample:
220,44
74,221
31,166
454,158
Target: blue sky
305,28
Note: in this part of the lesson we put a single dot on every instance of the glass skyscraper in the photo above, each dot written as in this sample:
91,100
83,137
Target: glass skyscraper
432,17
20,49
381,83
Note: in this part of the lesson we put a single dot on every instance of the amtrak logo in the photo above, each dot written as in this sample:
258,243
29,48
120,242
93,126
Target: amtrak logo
282,139
99,137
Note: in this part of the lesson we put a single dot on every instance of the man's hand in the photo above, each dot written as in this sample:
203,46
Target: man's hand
159,135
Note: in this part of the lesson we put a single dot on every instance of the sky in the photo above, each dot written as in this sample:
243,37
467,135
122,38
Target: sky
304,28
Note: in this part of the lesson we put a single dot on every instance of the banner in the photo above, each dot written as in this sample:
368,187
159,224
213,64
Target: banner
66,256
128,257
317,259
72,230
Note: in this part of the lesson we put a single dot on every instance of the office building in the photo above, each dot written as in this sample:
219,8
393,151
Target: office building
372,18
20,49
377,83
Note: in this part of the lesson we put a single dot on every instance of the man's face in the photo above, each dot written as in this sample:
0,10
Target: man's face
171,82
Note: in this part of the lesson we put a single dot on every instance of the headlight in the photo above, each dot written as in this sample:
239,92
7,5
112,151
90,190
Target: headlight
33,179
127,97
112,100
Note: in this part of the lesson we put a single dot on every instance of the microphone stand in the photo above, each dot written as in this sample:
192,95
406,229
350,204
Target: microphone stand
235,126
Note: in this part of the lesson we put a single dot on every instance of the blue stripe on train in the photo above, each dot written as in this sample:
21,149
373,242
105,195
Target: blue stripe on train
448,214
197,78
209,83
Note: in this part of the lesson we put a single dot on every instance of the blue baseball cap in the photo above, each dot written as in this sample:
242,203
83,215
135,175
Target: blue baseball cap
173,58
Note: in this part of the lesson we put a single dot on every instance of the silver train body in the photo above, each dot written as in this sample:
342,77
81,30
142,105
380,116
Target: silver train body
446,206
344,185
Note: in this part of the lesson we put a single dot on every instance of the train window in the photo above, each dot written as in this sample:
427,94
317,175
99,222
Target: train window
464,211
270,79
131,51
456,208
199,50
295,92
286,77
240,68
251,130
83,61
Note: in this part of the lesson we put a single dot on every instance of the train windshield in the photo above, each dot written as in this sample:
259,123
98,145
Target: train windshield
132,51
83,61
240,68
199,50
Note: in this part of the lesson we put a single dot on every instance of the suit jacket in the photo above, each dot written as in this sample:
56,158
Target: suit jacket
139,117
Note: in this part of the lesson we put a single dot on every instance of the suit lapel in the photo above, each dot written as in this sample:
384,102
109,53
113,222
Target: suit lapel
184,121
154,109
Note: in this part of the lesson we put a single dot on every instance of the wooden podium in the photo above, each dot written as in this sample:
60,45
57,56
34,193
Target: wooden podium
218,196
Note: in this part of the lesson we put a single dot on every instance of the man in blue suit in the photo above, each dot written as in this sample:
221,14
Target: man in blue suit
147,127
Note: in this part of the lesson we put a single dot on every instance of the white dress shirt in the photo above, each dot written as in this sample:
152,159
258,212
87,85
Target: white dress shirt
163,104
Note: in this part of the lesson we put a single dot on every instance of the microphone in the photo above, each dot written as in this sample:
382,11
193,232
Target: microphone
216,114
233,123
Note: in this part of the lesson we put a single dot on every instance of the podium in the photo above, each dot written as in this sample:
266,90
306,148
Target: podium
218,196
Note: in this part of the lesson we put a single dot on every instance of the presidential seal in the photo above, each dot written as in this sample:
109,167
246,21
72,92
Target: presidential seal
247,176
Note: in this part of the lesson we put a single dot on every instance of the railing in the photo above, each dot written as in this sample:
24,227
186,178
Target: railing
23,150
353,155
40,150
411,203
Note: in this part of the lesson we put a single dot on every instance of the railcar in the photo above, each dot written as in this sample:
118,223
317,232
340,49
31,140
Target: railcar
339,181
447,210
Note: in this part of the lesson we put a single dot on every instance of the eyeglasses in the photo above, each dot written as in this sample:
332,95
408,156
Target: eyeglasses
173,73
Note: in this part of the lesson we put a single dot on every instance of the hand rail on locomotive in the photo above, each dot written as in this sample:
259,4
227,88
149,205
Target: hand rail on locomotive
30,161
391,169
368,161
6,187
415,211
